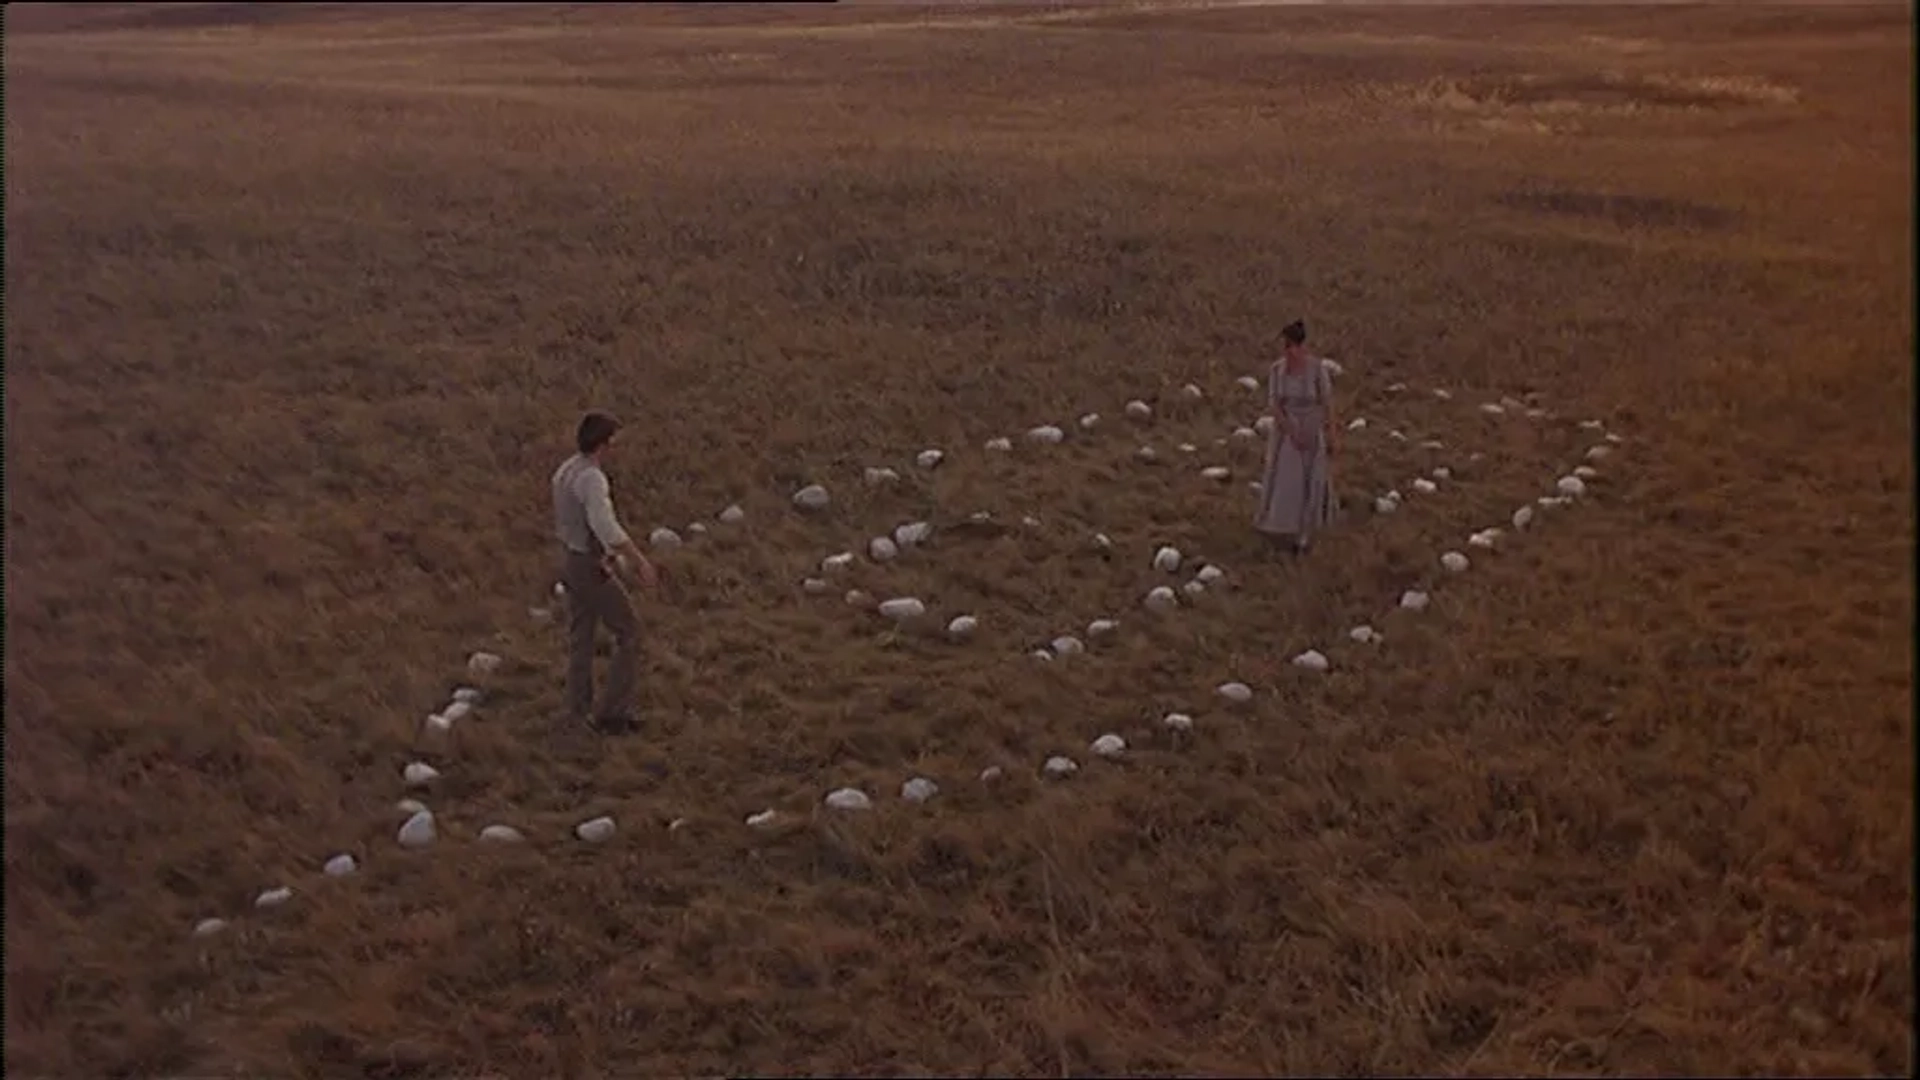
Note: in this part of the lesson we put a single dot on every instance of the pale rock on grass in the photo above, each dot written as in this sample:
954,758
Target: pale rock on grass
1215,472
1248,382
1177,722
596,831
1425,486
1312,660
1193,392
439,723
1188,448
1571,486
814,586
1484,538
1046,434
697,528
1591,425
859,598
1493,410
1358,423
1109,746
1523,517
664,538
839,561
677,824
1256,486
1586,472
1614,439
1264,425
273,898
1551,502
1245,433
1475,458
457,710
912,533
417,831
1147,453
1030,521
1442,473
980,515
1101,628
208,927
340,866
1443,395
1414,600
1397,435
1512,404
881,549
1067,645
999,444
1384,505
812,497
765,819
1042,654
962,627
483,663
1596,453
1167,559
1454,562
1194,588
1161,599
1209,574
928,459
902,608
1536,414
1364,634
1238,693
847,798
875,477
1396,388
501,834
1103,541
991,773
1139,410
919,790
1090,421
1433,444
419,774
732,515
1059,767
468,695
409,806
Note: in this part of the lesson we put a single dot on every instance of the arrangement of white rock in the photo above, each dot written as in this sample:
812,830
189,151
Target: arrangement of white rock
919,790
1454,562
876,476
902,608
1364,634
989,774
1100,628
927,459
1177,722
340,866
1166,559
732,515
1139,410
881,549
1312,660
1060,767
762,820
812,497
1089,421
1571,486
1109,745
1414,600
1249,382
1425,486
1245,433
1237,692
1161,599
595,831
1387,504
1493,410
1067,645
501,834
1585,472
483,663
962,627
419,774
209,927
1000,444
1215,472
1046,434
814,586
912,533
1193,392
1523,517
1358,423
1484,538
847,798
1264,425
1147,453
272,898
418,831
664,537
1441,472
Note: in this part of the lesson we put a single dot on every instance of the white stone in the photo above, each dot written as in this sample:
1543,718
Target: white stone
559,591
1591,425
1167,559
812,497
1067,645
1041,654
1177,721
1215,472
847,798
989,774
417,831
881,549
962,627
1443,395
927,459
1193,392
838,561
913,532
1396,496
1395,388
501,834
1264,425
1397,435
467,695
1109,745
1209,574
1100,628
409,806
1194,588
1245,433
1000,444
677,824
1139,410
762,820
1454,562
1103,541
1571,486
1237,692
1493,410
1432,444
1595,453
1147,453
1187,448
1614,439
1536,414
1425,486
875,477
1586,472
1523,517
439,723
1483,539
419,774
1358,423
483,663
1312,660
697,528
1364,634
1060,767
457,710
902,608
733,515
1442,473
1414,600
858,598
1384,505
340,866
919,789
1256,486
1090,420
1046,433
1161,599
595,831
1030,521
1248,382
664,537
814,586
980,515
209,927
273,898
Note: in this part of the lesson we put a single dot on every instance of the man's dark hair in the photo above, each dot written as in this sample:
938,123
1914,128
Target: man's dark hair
1295,332
595,429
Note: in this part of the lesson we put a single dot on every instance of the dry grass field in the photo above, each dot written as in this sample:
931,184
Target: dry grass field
302,303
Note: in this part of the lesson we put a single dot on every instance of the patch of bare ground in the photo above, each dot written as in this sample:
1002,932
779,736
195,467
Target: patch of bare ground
300,314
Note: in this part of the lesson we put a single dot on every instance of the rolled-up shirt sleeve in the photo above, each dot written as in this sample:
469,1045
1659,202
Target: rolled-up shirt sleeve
600,516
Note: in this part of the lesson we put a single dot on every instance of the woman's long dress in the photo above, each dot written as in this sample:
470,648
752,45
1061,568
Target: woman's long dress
1296,490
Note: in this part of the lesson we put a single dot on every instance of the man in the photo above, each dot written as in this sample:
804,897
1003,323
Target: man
598,556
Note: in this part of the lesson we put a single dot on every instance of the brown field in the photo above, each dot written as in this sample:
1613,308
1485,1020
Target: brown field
303,303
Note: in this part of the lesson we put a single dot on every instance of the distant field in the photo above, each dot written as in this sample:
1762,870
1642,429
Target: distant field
303,302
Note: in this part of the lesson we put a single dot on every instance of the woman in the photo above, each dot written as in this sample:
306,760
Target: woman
1296,490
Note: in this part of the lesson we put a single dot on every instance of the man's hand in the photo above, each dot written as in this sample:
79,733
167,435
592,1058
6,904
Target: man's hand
648,575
